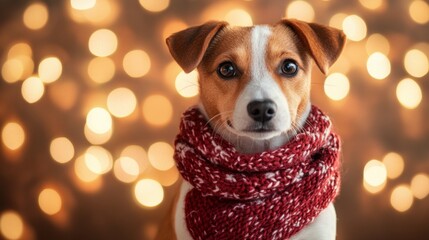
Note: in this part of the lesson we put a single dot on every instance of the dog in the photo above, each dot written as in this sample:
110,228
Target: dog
254,87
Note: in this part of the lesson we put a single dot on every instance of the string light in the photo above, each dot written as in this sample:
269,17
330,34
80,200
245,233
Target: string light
13,135
416,63
50,69
377,43
408,93
187,84
372,4
82,4
36,16
103,43
419,11
378,65
154,5
136,63
101,69
99,120
126,169
157,110
336,86
11,225
98,160
420,185
50,201
121,102
301,10
354,27
149,192
374,176
238,17
401,198
160,156
394,164
32,89
61,149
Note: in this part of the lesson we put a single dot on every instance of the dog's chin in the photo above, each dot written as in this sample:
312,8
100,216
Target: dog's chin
259,132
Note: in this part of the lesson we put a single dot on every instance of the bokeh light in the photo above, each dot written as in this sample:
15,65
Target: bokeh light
238,17
378,65
337,20
149,192
416,63
137,153
394,164
374,175
11,225
13,135
401,198
377,43
126,169
160,156
336,86
420,185
83,172
98,160
101,69
61,149
50,201
32,89
50,69
83,4
136,63
103,43
103,13
409,93
97,138
36,16
354,27
121,102
419,11
99,120
301,10
187,84
154,5
12,70
157,110
372,4
20,49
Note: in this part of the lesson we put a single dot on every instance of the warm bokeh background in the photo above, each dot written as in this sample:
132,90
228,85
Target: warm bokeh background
90,102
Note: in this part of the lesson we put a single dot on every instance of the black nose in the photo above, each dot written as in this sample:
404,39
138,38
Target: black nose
262,111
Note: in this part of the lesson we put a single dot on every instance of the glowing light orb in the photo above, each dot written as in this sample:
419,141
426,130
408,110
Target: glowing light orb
50,201
301,10
101,69
12,70
103,43
377,43
409,93
394,165
420,185
97,138
11,225
50,69
98,160
354,27
149,192
126,169
160,156
187,84
35,16
82,171
121,102
61,149
372,4
419,11
154,5
336,86
378,65
416,63
136,63
401,198
82,4
157,110
20,49
238,17
337,20
32,89
99,120
374,175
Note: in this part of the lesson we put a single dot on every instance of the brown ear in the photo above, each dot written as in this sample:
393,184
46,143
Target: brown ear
188,46
323,43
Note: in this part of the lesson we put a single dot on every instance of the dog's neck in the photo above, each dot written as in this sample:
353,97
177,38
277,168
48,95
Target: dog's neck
247,145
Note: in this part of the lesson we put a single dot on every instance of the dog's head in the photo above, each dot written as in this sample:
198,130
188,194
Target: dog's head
255,81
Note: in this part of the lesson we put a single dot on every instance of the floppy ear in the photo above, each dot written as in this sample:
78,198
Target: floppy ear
188,46
323,43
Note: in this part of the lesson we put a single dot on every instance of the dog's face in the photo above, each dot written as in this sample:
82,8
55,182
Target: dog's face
255,81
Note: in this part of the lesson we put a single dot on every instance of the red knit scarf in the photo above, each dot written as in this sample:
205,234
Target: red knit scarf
268,195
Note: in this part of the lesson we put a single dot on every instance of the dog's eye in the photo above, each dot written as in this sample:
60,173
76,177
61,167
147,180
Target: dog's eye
289,68
226,70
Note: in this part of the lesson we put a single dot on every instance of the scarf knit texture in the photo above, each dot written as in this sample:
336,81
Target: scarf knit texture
267,195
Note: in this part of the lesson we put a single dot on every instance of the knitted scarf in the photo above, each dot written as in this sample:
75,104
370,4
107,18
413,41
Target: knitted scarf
268,195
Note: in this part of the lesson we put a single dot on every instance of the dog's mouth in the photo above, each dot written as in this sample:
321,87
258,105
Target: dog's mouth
258,128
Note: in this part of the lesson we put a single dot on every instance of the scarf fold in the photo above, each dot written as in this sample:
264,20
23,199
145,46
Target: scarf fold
268,195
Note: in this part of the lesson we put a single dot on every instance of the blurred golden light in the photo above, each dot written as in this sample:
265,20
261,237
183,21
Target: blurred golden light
50,201
377,43
50,69
98,160
187,84
121,102
64,93
11,225
160,156
169,177
82,4
371,4
149,192
20,49
420,185
401,198
172,27
137,153
101,69
374,174
416,63
13,135
61,149
32,89
12,70
136,63
409,93
170,74
96,138
103,13
301,10
36,16
354,27
336,86
419,11
238,17
103,43
378,65
83,172
154,5
126,169
394,165
337,20
157,110
99,120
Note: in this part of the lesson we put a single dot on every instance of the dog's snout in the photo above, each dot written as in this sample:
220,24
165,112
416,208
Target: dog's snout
262,110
